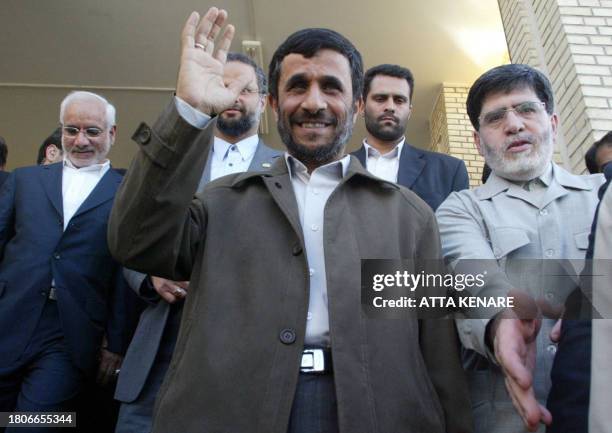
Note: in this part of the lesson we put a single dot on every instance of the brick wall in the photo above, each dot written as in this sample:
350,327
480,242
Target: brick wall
571,41
451,130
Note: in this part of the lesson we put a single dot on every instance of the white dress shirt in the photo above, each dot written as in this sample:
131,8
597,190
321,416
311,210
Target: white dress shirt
228,158
384,166
311,192
77,184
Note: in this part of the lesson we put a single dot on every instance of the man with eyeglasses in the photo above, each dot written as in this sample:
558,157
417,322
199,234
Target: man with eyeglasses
60,289
529,209
236,148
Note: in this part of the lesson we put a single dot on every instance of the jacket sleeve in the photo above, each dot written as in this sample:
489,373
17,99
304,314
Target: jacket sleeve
440,349
125,308
7,212
156,224
465,243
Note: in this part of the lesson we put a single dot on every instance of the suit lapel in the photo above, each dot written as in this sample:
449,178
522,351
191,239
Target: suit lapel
104,191
411,165
262,158
52,184
360,154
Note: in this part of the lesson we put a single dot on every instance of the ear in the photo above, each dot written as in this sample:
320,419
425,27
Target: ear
477,142
554,123
113,133
274,106
359,108
263,102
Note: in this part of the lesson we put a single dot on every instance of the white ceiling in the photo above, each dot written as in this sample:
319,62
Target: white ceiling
134,44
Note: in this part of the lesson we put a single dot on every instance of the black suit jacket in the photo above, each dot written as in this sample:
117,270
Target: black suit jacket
92,296
431,175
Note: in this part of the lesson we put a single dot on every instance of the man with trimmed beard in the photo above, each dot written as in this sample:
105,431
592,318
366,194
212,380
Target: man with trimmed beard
274,337
387,96
236,148
530,209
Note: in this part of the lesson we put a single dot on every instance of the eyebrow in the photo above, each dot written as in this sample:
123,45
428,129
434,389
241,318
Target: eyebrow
393,95
302,79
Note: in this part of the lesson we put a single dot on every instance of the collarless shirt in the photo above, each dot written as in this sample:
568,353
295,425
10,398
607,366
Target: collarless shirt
384,166
77,184
312,192
228,158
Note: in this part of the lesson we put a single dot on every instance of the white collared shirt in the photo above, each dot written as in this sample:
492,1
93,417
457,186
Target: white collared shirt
77,184
384,166
230,158
311,192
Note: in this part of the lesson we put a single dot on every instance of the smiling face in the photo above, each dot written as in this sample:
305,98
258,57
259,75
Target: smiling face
518,147
241,120
315,111
387,108
82,148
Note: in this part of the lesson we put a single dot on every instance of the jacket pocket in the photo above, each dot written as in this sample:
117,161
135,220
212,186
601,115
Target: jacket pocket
504,240
582,240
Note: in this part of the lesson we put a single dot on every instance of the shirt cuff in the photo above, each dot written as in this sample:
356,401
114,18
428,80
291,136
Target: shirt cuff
191,115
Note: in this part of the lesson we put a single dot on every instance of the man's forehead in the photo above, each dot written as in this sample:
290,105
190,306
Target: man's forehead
324,62
516,95
85,107
386,84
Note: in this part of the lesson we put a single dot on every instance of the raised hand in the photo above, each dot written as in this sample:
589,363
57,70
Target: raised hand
200,79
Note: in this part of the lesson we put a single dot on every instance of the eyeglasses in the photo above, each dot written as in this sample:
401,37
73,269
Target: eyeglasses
526,110
247,91
90,132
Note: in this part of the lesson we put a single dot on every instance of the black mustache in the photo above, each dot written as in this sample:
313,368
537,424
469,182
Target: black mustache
320,117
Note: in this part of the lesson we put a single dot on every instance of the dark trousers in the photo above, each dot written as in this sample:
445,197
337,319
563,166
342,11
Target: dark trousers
568,400
314,409
44,379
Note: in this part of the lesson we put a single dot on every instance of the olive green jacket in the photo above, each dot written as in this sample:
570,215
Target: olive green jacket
240,243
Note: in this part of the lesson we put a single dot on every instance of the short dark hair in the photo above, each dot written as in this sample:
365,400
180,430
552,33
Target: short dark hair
55,138
390,71
308,43
3,152
590,161
504,79
262,81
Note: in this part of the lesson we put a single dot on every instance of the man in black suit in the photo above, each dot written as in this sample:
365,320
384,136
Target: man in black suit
387,95
60,289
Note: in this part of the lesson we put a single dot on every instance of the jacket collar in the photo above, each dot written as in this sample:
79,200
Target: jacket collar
103,191
561,180
279,168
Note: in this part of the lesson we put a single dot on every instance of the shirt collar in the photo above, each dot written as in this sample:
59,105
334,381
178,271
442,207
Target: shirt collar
395,153
336,169
93,167
496,184
246,147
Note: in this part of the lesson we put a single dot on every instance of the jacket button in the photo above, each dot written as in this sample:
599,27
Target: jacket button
297,250
56,256
287,336
142,134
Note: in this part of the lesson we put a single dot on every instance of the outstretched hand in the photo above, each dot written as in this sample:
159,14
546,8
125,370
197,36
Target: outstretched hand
515,350
200,79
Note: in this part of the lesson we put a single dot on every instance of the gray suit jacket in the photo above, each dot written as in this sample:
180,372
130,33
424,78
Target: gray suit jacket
510,230
146,341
